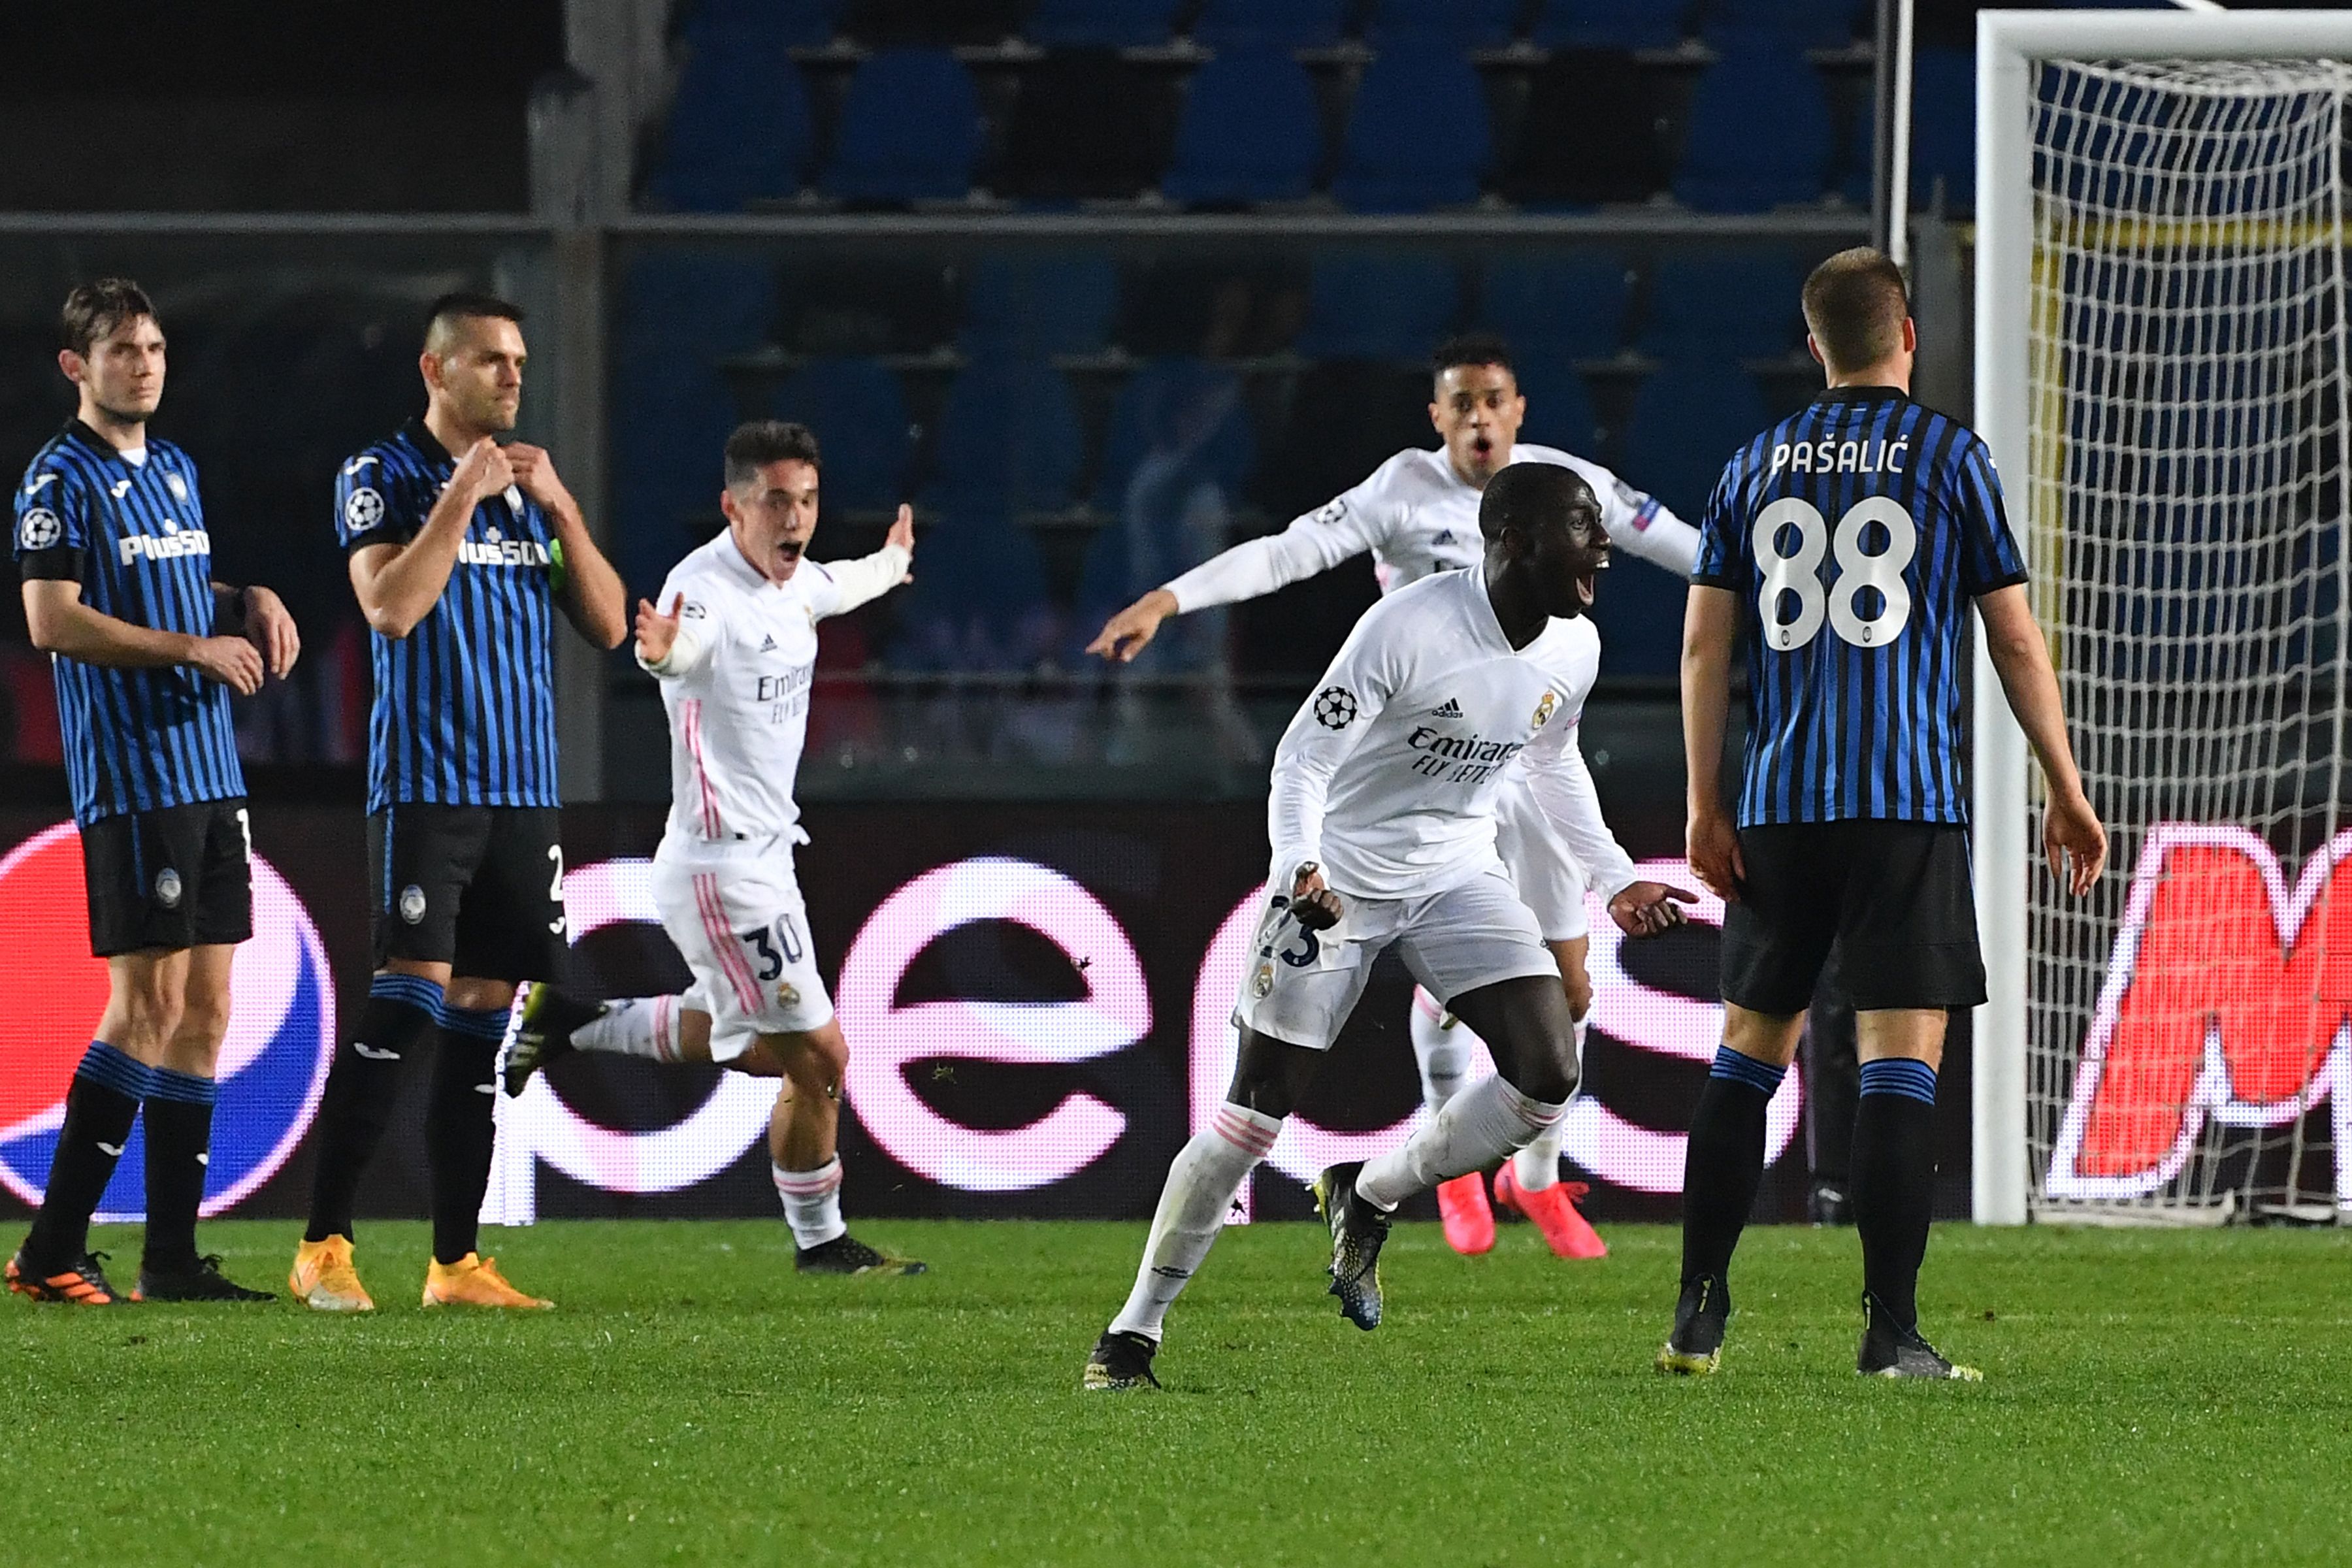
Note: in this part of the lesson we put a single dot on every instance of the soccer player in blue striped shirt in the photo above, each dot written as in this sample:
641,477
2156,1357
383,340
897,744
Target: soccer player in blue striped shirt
1849,541
145,646
461,552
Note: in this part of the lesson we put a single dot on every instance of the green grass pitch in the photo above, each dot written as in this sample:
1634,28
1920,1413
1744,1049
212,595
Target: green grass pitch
2157,1398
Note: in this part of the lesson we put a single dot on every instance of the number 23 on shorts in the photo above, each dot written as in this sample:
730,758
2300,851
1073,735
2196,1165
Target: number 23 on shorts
1799,572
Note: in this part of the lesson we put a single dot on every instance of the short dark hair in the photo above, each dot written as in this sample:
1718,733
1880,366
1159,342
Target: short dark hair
1524,493
759,442
1854,306
465,305
1471,348
98,309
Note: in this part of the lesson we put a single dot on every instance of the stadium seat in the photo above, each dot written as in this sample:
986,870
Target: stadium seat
1378,305
1418,134
1728,304
791,24
933,24
1348,417
1249,132
1270,24
1611,24
1179,405
1008,433
1086,124
1101,24
1589,135
1036,304
739,127
1465,24
1802,24
911,130
1566,306
980,599
860,419
1728,166
711,301
1559,406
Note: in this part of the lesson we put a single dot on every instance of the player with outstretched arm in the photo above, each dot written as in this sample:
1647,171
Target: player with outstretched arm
1849,541
736,655
1381,812
1418,514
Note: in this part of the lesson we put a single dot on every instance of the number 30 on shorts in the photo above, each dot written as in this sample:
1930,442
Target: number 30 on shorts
1799,574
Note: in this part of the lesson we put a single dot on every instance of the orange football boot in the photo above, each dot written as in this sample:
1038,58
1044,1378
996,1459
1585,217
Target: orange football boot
323,1280
1469,1223
1567,1233
474,1281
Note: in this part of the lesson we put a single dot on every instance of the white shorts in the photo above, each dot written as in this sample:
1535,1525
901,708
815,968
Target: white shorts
744,932
1542,867
1300,987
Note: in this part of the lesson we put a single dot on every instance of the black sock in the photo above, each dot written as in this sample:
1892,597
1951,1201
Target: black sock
179,1142
460,1131
1723,1163
101,1108
361,1088
1895,1180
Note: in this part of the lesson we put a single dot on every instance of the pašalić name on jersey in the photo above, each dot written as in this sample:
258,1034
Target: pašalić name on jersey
1459,759
163,546
1879,457
497,551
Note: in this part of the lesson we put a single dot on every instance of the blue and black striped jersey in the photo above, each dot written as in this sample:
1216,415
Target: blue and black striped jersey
465,704
1857,532
132,536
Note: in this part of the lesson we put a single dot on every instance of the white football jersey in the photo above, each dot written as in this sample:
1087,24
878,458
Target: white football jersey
736,685
1417,516
1389,775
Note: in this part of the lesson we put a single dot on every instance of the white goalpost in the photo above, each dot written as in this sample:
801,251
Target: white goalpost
2161,374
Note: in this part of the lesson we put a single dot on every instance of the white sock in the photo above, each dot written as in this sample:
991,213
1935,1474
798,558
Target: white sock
1447,1052
641,1026
812,1202
1536,1166
1475,1128
1202,1182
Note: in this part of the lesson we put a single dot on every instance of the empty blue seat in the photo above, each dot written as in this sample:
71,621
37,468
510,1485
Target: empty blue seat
911,130
1559,406
1101,24
980,600
1805,24
1726,305
1370,304
1249,131
1270,24
1611,24
1419,134
1465,24
1009,434
1177,409
1944,127
1563,306
1040,303
795,24
707,302
739,127
1759,132
862,429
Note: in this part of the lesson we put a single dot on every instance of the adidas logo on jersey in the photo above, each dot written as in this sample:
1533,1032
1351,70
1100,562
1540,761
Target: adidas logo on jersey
768,644
163,547
1451,709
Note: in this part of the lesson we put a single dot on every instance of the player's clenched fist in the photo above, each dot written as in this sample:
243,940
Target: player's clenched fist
483,471
535,476
656,632
1313,904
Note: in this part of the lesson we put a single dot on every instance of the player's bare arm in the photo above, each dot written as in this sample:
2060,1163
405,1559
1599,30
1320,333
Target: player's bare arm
269,624
592,597
1709,624
398,584
60,623
2071,838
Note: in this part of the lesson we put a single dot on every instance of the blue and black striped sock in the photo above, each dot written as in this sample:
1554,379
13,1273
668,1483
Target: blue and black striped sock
1723,1163
179,1144
101,1106
361,1090
1894,1179
459,1132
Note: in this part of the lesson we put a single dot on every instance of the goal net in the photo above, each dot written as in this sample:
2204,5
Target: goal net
2186,1056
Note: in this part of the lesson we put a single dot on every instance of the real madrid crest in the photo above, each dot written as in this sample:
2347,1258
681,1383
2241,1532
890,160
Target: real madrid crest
1262,982
788,994
1544,711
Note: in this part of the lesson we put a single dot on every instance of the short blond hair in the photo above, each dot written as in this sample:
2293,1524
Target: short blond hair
1856,303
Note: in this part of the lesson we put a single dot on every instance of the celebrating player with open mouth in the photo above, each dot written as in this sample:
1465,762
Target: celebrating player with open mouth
1419,513
1381,812
1850,539
736,654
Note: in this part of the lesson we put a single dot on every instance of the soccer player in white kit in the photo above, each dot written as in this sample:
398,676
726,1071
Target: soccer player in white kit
1381,811
1418,514
736,655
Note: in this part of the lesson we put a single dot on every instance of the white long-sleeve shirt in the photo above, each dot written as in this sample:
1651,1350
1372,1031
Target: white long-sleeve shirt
736,685
1388,776
1417,516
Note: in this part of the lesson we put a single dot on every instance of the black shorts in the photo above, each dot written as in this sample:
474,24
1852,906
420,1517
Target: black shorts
181,876
478,888
1894,899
